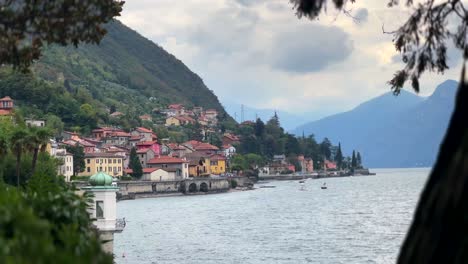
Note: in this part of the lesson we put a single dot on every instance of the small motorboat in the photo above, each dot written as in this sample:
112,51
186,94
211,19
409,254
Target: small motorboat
301,181
324,186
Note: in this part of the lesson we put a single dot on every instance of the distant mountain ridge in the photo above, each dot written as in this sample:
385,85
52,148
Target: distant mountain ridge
389,131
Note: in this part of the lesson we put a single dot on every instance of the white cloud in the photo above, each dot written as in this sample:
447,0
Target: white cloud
260,54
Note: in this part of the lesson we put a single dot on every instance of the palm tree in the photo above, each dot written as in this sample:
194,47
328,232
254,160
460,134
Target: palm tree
18,144
37,141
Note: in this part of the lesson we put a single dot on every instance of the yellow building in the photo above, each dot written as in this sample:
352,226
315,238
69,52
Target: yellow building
172,121
218,164
106,162
199,167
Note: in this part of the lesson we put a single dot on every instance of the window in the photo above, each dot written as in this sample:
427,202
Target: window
120,161
88,161
115,161
88,169
109,161
99,209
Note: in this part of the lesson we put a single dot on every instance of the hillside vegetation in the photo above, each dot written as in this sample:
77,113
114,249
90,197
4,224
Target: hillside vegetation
126,73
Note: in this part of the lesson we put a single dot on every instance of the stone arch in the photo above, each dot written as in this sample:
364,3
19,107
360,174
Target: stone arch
203,187
182,187
193,187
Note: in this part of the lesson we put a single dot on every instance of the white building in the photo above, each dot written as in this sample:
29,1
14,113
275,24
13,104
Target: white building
66,168
159,174
36,123
104,208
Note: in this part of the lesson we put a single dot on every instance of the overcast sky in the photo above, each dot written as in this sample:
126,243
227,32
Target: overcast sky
257,52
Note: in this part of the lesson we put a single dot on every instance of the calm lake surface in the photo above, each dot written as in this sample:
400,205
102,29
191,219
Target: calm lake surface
356,220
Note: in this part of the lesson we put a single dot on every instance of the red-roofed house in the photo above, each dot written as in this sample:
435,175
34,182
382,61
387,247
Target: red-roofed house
120,138
180,165
147,134
146,118
206,148
6,106
153,145
329,165
230,139
175,109
175,150
145,155
179,121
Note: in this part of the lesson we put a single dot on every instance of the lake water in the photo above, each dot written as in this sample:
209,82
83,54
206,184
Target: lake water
356,220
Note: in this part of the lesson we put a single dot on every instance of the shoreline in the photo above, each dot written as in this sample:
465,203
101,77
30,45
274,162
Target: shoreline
177,194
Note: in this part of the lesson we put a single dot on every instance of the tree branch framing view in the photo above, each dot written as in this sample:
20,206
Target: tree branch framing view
93,113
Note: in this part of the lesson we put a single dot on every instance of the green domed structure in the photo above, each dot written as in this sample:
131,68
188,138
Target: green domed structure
100,179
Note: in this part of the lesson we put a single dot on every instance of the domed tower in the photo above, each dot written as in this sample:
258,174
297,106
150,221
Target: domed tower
104,208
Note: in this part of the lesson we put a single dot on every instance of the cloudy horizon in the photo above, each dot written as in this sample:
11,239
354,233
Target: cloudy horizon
258,53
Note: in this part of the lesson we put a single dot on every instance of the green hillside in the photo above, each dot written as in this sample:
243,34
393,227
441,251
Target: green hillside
126,73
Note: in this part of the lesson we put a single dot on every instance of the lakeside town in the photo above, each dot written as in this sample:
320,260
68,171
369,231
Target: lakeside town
139,154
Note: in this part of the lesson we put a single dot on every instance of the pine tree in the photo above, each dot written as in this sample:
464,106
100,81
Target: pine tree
339,157
353,161
135,164
359,160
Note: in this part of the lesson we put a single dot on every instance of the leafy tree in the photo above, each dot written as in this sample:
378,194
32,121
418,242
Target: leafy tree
26,26
253,161
135,164
339,157
54,123
78,158
42,233
438,232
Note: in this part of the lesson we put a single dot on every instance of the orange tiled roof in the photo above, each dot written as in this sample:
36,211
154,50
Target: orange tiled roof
143,130
205,146
146,143
166,160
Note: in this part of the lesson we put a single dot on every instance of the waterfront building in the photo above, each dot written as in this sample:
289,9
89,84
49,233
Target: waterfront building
160,174
104,208
103,162
217,164
307,164
166,162
199,164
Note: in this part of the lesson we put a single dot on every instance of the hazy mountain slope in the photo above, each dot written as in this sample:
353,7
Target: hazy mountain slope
403,131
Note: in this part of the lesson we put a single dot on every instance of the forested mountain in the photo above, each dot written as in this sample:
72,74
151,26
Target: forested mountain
403,131
126,73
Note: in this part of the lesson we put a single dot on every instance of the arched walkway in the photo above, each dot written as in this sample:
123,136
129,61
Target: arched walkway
203,187
193,188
